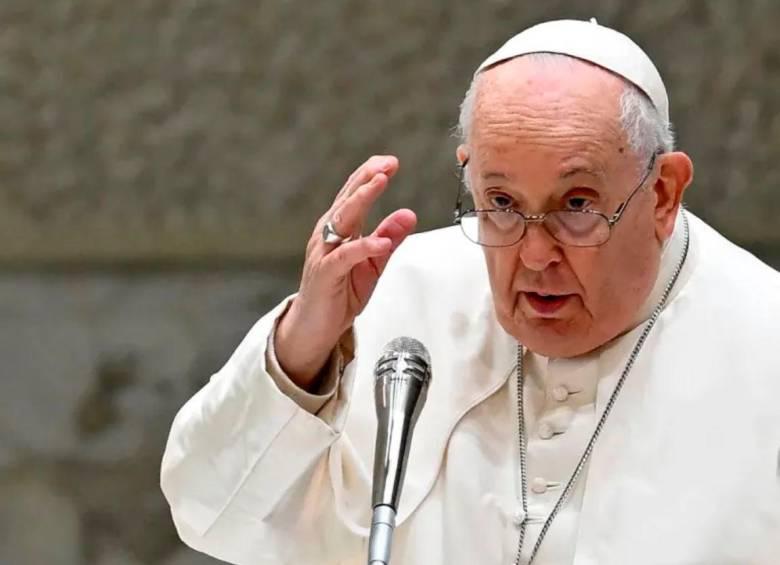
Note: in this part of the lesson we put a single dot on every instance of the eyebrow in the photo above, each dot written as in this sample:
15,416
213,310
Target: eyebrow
494,175
566,173
579,170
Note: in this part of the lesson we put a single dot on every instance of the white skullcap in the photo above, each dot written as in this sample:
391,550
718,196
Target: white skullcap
590,42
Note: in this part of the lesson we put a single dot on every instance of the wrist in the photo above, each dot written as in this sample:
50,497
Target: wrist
300,352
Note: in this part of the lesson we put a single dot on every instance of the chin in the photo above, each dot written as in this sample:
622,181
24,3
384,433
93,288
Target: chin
557,337
551,344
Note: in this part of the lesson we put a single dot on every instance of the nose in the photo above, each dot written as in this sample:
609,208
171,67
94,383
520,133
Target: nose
538,250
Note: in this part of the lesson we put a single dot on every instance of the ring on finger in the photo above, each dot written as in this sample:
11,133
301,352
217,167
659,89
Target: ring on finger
331,236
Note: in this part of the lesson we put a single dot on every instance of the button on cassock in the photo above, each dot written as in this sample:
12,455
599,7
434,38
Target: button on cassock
560,393
539,485
545,431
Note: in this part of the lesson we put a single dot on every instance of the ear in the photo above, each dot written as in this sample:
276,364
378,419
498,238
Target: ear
462,154
675,176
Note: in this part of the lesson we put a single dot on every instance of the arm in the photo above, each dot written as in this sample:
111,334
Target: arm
238,448
254,458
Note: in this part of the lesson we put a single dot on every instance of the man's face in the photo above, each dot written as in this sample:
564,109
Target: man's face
547,136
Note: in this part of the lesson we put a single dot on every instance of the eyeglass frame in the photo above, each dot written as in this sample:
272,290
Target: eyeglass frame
539,218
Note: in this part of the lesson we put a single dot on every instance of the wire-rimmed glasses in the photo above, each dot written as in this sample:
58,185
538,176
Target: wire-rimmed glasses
506,227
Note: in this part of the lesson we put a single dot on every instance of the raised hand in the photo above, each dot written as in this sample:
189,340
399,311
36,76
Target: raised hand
338,279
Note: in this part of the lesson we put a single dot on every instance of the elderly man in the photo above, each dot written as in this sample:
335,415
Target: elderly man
606,378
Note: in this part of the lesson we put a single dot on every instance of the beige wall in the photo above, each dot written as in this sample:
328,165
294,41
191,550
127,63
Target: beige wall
200,131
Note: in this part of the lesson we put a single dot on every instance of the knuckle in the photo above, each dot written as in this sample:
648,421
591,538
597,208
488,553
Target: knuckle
334,259
344,252
367,192
367,183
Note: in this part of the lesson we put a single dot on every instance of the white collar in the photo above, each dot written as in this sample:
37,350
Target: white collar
671,251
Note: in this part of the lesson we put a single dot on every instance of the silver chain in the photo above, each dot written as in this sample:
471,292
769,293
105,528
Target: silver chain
522,440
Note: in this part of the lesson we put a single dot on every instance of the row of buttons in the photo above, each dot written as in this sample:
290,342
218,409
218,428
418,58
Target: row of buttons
545,429
539,485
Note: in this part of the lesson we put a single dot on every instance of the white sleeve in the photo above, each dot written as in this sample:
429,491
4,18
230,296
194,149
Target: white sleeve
312,402
245,469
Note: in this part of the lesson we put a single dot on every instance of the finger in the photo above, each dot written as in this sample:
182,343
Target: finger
397,226
387,164
347,220
341,261
349,216
365,173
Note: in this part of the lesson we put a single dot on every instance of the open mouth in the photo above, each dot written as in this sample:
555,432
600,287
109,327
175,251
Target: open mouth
547,304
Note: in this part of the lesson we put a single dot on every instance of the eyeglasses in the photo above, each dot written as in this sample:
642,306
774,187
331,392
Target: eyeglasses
576,228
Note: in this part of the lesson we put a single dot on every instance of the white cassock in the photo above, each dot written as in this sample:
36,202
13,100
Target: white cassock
685,470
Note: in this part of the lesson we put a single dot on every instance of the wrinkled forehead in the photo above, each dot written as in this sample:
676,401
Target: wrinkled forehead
543,102
539,74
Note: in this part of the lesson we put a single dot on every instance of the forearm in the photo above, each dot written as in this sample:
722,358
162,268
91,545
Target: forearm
239,423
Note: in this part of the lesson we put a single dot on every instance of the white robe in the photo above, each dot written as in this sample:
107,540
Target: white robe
686,470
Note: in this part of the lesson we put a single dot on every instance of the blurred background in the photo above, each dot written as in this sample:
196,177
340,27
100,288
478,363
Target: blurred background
162,164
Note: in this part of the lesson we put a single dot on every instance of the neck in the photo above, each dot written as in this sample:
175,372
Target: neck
671,250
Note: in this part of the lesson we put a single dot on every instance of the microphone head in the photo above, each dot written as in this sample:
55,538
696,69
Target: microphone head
408,345
408,355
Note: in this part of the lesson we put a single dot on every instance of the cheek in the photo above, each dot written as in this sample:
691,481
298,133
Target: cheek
618,281
590,267
596,275
502,266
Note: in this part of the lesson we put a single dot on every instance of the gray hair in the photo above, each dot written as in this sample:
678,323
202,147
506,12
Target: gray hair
645,130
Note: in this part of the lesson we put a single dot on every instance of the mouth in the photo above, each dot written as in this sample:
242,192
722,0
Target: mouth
546,305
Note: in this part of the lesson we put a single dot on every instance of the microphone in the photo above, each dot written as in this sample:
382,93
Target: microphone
401,379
